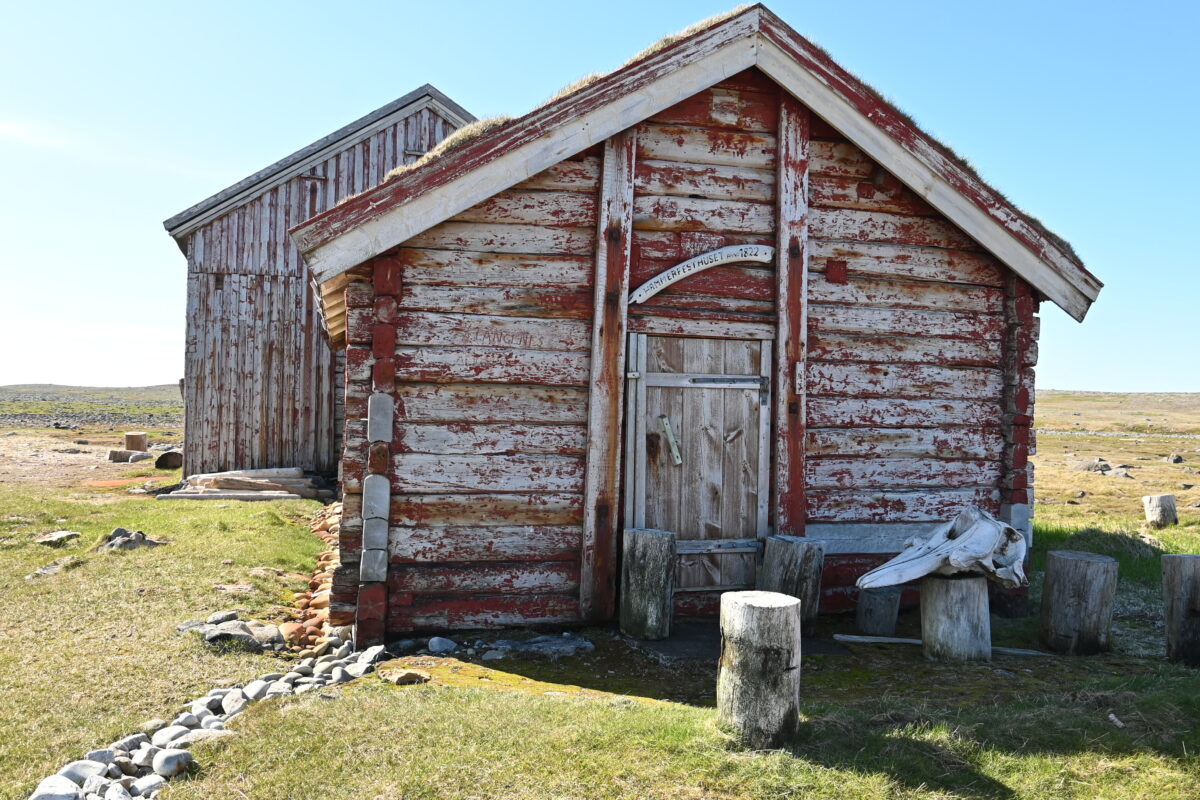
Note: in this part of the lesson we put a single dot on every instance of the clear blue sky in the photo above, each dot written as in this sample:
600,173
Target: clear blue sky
114,116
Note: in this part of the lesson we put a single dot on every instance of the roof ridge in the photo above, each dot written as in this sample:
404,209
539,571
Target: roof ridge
179,224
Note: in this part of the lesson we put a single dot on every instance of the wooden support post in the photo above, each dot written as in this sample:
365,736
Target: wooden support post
955,623
601,485
758,676
1159,508
792,565
137,441
877,610
647,583
1078,595
791,327
1181,606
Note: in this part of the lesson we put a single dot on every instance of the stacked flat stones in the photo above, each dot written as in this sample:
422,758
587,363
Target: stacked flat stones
313,604
139,765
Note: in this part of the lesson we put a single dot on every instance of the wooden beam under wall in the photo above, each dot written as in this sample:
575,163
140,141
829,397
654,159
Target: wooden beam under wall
597,592
791,293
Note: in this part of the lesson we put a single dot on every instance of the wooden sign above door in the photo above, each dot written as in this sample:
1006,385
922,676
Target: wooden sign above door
715,258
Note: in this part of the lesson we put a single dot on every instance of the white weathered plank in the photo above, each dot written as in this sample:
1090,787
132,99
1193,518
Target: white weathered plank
467,439
702,328
888,259
904,322
491,365
419,328
422,402
440,510
890,473
501,238
887,293
922,505
471,268
542,208
841,348
513,301
480,544
854,412
918,381
957,442
486,578
425,472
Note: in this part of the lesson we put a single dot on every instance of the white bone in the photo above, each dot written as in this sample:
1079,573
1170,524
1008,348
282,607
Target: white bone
974,541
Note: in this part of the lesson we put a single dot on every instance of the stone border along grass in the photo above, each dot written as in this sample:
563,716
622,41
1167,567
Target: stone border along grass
140,764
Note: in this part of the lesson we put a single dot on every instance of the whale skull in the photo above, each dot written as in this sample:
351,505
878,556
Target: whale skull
974,541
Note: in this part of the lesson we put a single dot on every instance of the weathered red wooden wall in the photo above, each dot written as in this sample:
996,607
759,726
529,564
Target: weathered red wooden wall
262,387
909,351
919,379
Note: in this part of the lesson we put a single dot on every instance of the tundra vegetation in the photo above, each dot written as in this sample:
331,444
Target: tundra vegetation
92,651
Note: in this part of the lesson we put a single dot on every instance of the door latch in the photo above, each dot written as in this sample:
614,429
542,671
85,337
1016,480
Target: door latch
674,445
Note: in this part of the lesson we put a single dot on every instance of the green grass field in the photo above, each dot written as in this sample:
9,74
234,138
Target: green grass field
93,650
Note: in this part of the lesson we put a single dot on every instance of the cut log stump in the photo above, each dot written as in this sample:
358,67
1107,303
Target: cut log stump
877,610
137,441
1181,601
955,623
1160,510
758,676
792,565
647,583
1078,595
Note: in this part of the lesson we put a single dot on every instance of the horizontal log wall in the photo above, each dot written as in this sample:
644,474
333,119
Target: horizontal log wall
918,382
908,337
261,384
705,178
492,333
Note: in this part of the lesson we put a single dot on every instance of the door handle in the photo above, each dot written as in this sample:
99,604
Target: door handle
674,445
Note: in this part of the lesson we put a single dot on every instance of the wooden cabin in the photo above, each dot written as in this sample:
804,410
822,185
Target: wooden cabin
262,388
726,291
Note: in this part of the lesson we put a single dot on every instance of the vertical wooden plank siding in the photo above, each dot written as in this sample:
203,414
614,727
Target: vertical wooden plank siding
614,234
261,384
791,281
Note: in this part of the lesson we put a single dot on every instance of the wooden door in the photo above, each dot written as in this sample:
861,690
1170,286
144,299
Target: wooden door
697,452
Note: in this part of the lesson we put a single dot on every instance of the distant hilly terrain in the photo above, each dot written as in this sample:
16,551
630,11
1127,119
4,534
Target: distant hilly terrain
43,405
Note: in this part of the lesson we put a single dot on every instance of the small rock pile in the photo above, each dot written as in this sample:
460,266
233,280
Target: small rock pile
1100,466
314,625
140,765
122,539
225,628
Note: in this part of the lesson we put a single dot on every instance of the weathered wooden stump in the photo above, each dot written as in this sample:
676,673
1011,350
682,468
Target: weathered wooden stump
1078,595
955,623
792,565
137,441
877,610
758,676
1181,602
1160,510
647,583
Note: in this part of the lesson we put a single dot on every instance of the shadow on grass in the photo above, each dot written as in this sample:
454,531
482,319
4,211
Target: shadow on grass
933,727
1139,553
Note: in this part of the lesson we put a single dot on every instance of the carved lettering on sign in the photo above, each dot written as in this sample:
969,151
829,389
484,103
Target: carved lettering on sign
715,258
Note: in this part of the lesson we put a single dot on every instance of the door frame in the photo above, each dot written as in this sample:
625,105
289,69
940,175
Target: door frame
633,460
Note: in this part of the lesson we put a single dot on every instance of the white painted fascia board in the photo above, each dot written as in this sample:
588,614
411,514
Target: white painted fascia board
418,214
805,86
